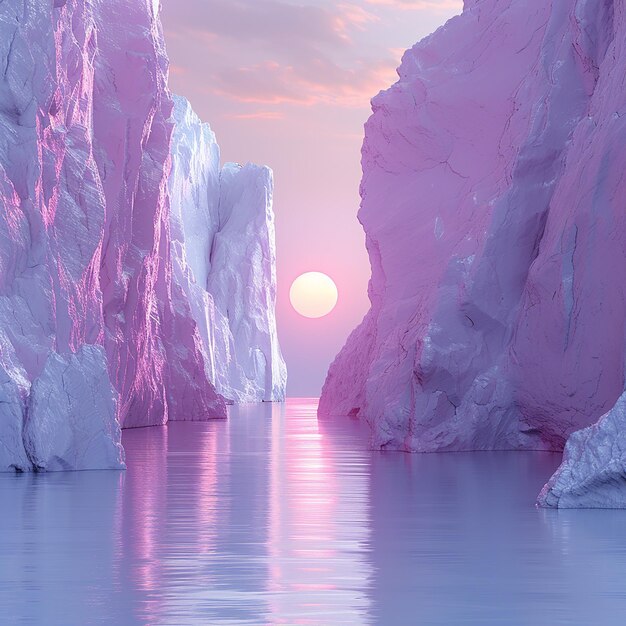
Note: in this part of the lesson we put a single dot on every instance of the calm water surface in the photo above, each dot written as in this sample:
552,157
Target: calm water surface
276,518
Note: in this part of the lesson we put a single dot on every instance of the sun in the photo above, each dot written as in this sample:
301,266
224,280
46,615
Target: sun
313,294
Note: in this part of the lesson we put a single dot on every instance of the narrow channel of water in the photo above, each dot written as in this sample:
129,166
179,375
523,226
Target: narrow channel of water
276,518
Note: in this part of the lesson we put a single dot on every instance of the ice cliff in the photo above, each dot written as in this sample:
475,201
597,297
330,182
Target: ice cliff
98,327
223,247
493,204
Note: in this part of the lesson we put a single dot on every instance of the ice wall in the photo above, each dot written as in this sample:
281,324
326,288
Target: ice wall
223,248
93,332
493,200
118,307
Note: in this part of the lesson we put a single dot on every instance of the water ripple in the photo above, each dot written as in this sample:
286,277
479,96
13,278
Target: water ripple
275,517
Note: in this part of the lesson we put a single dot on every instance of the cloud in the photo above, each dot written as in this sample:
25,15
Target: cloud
256,115
275,24
420,5
319,82
279,52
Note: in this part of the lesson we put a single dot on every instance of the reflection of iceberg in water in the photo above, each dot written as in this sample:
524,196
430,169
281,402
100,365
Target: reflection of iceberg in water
587,557
178,522
461,543
142,518
57,563
260,519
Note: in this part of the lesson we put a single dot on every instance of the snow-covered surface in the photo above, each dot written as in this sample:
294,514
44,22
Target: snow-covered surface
223,248
96,326
493,204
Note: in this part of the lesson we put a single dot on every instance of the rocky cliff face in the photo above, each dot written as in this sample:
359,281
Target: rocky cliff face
95,330
223,247
493,204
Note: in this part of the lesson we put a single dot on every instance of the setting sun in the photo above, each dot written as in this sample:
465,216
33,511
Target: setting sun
313,294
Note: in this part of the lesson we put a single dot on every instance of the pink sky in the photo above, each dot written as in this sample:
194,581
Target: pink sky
287,83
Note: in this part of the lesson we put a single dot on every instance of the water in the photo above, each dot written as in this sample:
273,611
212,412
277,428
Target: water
276,518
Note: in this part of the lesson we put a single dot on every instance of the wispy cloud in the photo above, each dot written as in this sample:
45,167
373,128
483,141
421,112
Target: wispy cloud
253,58
256,115
441,5
278,52
317,82
275,24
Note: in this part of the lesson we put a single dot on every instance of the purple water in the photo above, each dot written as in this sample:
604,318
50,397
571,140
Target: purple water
276,518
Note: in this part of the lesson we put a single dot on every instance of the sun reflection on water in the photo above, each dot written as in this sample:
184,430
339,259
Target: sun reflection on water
309,529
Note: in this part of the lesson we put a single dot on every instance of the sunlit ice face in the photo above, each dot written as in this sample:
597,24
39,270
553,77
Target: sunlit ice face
313,294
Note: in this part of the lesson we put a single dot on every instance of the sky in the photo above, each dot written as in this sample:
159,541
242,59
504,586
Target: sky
288,83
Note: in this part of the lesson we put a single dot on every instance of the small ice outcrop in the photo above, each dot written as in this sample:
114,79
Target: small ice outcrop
593,472
71,421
